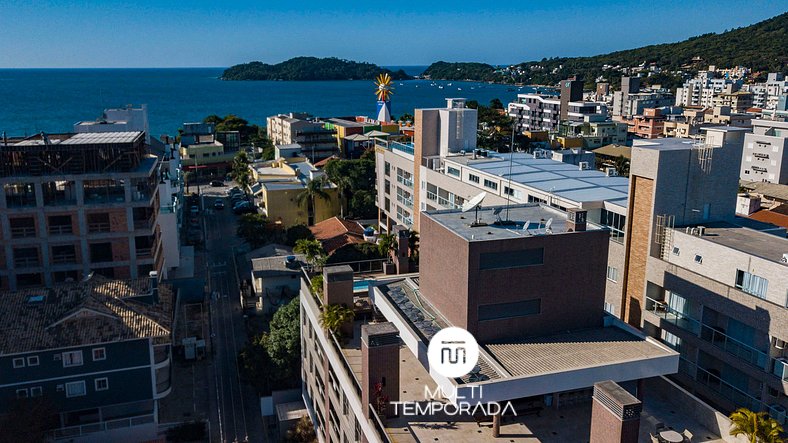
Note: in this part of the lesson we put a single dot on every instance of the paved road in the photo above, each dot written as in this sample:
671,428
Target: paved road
235,411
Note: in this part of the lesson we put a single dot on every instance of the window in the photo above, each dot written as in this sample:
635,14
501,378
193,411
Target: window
751,283
512,192
698,259
19,362
609,308
75,389
72,358
99,354
511,259
387,168
36,391
612,274
32,360
676,251
500,311
473,178
387,186
615,222
490,184
21,393
101,384
453,171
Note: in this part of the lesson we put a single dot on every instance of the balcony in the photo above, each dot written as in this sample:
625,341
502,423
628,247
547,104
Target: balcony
661,309
143,225
405,181
64,259
60,230
732,346
94,228
144,252
23,232
26,262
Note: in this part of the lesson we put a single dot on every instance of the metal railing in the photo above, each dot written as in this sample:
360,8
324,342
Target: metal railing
23,232
98,227
26,262
76,431
721,387
60,229
61,259
144,252
143,224
735,347
661,309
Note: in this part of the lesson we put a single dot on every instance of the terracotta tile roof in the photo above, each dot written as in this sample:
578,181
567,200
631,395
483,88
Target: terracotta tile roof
775,217
334,233
325,161
75,314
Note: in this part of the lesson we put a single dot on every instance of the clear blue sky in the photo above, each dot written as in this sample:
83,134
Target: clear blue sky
165,33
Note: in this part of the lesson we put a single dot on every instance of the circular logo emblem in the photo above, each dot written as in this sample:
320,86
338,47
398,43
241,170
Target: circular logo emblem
453,352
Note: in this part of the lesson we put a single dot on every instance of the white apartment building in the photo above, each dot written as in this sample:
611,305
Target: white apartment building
765,155
766,95
700,91
127,119
539,112
315,141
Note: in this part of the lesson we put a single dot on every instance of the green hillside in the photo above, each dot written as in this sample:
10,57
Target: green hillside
309,68
762,47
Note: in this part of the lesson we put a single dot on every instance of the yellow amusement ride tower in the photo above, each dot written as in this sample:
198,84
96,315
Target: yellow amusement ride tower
383,91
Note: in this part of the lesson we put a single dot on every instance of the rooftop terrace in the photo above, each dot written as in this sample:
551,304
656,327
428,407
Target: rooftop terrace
491,227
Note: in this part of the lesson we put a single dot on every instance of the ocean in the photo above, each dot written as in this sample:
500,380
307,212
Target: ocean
52,100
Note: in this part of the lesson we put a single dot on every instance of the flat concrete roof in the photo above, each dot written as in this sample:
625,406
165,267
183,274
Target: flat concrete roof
578,349
758,243
563,180
461,223
86,138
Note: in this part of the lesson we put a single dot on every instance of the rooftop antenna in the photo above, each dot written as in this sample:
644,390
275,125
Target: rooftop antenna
497,213
474,203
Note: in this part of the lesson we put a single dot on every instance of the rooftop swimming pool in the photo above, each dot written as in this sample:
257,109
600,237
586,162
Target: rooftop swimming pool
361,285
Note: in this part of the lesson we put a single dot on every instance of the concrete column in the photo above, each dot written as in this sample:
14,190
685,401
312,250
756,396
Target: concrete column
39,190
338,290
615,414
401,252
379,366
79,185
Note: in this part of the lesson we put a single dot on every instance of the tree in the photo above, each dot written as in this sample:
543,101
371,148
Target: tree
298,232
333,316
240,170
312,191
757,427
302,432
413,245
387,243
316,285
356,180
406,117
496,103
312,249
284,338
257,230
622,166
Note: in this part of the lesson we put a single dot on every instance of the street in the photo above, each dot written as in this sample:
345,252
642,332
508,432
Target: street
235,411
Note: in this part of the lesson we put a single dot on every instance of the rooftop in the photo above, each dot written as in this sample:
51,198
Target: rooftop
334,233
86,138
563,180
538,216
277,265
751,241
75,314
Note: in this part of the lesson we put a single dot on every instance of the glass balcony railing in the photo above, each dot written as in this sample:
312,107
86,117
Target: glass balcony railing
405,181
725,389
661,309
732,346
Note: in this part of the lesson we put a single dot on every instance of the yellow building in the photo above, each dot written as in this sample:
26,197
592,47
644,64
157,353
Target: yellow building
278,187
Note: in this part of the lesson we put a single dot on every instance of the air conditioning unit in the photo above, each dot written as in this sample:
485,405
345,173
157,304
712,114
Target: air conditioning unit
611,172
781,368
779,344
583,166
785,258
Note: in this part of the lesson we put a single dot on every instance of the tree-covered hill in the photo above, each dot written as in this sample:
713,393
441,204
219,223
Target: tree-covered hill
309,68
761,47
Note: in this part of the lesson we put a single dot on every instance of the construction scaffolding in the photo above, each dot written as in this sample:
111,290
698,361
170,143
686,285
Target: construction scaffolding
72,154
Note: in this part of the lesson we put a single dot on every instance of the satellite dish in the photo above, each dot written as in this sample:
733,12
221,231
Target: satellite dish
548,225
497,214
474,202
526,225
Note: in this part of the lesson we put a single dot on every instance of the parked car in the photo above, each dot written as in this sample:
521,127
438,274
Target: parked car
217,183
218,204
194,209
244,208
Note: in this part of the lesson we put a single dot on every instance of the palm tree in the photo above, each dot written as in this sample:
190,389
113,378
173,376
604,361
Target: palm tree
312,250
240,170
758,427
413,244
334,316
387,243
316,284
622,166
313,190
344,186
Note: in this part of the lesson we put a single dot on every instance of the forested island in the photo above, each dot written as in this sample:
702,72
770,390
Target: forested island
310,68
760,47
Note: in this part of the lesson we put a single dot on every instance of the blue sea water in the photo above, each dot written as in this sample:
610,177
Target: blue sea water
52,100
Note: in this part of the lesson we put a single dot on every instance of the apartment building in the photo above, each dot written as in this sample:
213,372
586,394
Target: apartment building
314,139
202,153
534,112
765,156
708,284
766,95
629,101
126,119
739,101
98,352
73,204
504,281
690,122
701,90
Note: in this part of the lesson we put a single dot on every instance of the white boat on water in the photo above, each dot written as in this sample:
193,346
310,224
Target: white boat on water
440,87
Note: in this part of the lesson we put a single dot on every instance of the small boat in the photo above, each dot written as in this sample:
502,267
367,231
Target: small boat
449,84
440,87
459,89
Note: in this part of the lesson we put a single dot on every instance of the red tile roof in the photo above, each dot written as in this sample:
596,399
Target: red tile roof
334,233
773,217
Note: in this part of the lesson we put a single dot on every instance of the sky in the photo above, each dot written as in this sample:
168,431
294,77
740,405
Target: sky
201,33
